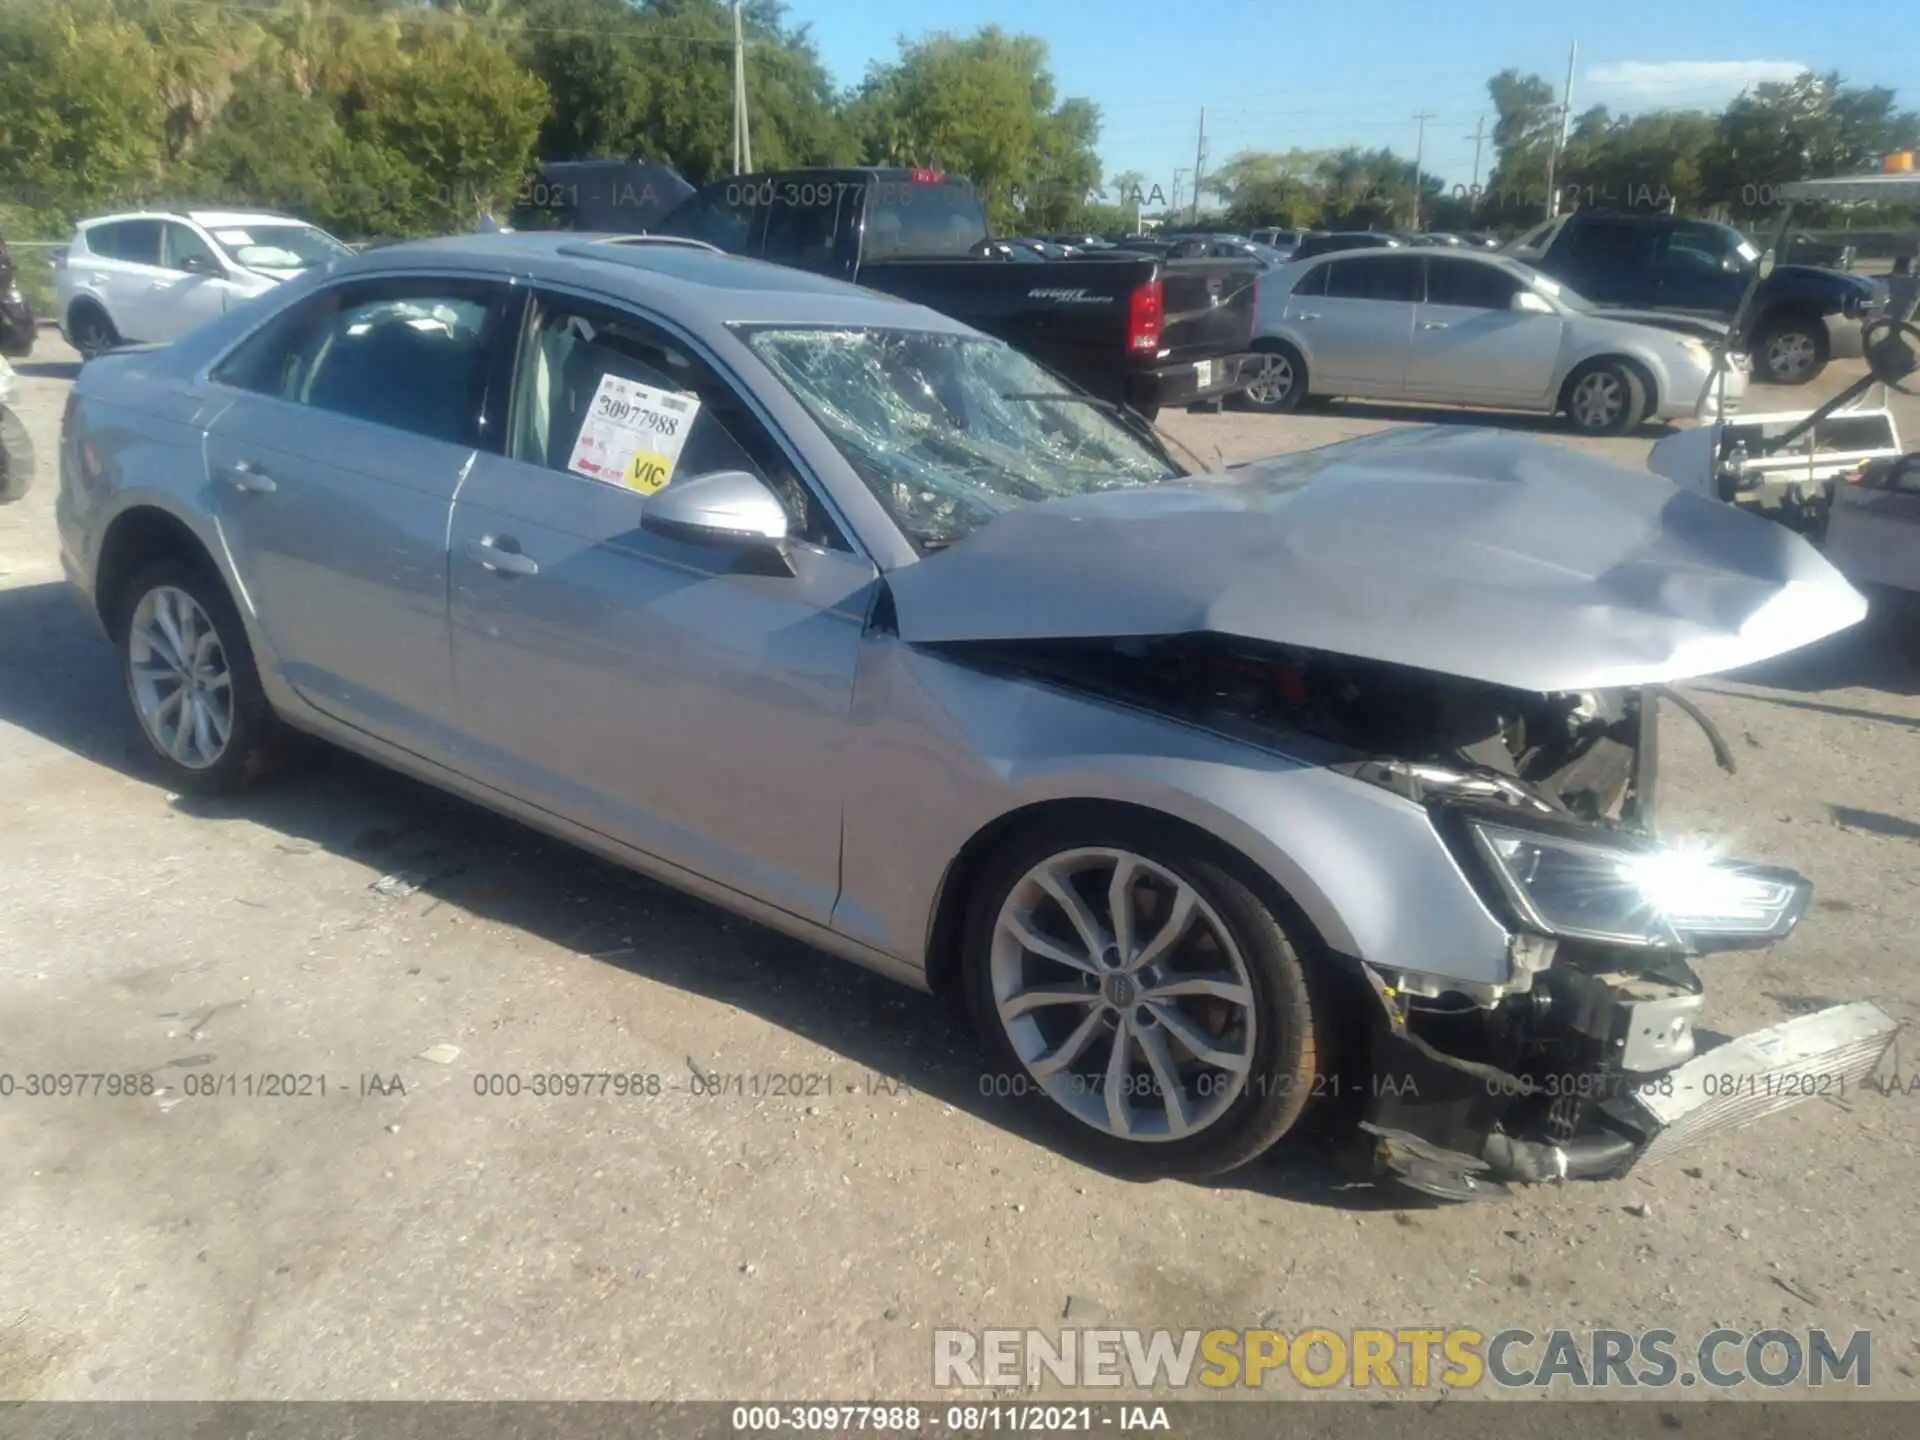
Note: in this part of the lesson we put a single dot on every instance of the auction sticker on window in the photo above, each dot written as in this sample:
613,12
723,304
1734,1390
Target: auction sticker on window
633,435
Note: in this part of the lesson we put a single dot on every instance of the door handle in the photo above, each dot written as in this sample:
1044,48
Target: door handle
243,477
501,554
1433,324
1312,316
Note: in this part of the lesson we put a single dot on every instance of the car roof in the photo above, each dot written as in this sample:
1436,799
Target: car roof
684,281
210,218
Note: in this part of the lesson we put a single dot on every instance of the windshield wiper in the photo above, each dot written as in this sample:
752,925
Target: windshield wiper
1126,414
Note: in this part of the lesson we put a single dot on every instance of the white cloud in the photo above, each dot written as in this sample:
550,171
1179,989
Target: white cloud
1652,84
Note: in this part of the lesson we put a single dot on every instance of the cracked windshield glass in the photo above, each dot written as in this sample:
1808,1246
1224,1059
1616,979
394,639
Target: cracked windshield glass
950,430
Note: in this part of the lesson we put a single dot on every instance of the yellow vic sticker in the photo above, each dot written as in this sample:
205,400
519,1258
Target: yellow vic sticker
648,473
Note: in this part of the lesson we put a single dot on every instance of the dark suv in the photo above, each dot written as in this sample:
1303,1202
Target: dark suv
1666,268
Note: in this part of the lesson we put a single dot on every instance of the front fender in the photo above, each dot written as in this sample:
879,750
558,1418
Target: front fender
943,750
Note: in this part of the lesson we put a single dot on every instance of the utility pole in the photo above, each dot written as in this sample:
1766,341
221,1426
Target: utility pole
1479,133
1419,154
1199,165
1173,200
742,142
1560,133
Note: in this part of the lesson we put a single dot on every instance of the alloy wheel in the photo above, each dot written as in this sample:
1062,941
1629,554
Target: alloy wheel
1791,354
1124,994
1274,382
182,685
1598,400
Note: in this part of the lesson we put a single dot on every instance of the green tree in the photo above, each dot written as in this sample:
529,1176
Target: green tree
1261,187
983,106
81,111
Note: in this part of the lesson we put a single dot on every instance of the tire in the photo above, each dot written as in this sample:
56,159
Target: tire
1790,349
1265,396
1604,397
90,330
1233,940
197,760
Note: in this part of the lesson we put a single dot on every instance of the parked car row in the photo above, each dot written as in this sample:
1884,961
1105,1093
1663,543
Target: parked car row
1214,796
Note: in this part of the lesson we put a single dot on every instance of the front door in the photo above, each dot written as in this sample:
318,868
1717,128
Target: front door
193,289
674,696
1471,346
353,417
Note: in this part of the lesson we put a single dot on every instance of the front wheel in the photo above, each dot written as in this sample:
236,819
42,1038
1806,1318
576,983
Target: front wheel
191,679
1605,397
90,330
1790,350
1153,1007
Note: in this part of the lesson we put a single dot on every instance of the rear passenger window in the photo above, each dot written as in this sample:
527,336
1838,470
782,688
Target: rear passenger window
412,354
1375,277
1314,282
136,241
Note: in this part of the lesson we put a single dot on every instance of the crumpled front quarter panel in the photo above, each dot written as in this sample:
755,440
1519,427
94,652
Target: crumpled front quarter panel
944,749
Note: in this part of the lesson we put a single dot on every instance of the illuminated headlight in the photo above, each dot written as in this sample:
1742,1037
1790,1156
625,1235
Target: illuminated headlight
1670,896
1697,349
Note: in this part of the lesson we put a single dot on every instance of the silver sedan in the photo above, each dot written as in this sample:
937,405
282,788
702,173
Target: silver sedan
1458,328
1210,794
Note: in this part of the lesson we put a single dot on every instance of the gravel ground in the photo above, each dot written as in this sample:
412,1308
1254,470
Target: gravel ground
403,1236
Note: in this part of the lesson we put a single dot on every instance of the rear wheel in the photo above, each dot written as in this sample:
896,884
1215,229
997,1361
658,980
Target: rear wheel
191,679
90,330
1605,397
1153,1007
1790,349
1280,385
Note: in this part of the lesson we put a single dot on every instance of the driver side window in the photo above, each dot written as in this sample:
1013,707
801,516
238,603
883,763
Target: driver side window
573,347
182,249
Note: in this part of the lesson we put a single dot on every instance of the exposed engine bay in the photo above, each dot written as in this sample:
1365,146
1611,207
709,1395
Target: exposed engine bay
1580,1065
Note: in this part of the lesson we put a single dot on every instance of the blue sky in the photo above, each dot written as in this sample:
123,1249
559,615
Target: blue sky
1322,73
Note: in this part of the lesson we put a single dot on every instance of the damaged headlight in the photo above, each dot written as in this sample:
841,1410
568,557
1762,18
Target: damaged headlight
1668,896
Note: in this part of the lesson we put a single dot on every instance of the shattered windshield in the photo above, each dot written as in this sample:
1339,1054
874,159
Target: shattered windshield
949,430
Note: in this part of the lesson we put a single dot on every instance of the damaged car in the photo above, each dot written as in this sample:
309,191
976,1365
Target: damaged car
1213,796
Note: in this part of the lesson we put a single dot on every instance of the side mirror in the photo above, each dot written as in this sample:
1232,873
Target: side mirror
198,265
1529,302
722,507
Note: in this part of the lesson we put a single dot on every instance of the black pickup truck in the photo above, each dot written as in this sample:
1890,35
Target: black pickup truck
1128,327
1664,270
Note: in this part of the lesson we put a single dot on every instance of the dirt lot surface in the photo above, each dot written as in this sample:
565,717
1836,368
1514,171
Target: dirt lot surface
431,1242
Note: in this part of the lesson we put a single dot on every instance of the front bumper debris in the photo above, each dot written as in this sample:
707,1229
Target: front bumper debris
1462,1129
1762,1073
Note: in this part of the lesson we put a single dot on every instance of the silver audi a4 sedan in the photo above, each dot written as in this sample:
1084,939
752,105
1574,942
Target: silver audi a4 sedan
1328,778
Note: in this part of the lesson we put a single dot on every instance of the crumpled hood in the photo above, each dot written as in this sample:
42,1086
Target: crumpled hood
1466,552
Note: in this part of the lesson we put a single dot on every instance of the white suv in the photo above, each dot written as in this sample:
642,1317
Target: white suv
153,275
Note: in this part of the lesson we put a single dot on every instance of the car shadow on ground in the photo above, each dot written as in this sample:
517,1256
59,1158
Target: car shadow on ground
1388,413
48,369
1881,653
60,681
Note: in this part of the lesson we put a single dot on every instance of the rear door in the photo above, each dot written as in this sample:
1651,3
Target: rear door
124,272
353,417
1469,343
1359,329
